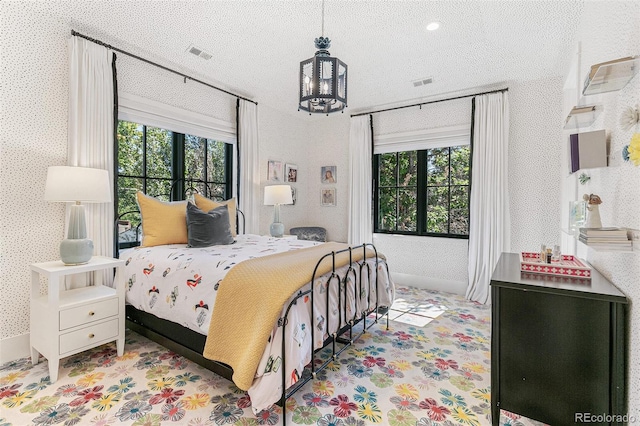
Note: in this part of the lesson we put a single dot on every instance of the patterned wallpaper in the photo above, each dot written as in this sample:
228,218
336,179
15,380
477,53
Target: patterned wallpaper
34,136
286,138
610,31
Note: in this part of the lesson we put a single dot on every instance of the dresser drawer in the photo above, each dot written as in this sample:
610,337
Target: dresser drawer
88,313
88,336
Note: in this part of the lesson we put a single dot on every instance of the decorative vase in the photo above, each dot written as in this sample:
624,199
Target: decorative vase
593,216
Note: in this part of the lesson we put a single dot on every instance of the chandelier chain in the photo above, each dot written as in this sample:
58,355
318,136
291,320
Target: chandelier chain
322,18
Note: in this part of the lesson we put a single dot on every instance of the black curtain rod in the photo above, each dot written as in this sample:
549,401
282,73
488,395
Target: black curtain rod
431,102
108,46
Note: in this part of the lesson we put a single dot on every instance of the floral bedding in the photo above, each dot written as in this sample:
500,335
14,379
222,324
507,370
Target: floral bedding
180,284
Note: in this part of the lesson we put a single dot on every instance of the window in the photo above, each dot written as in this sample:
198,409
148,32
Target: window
423,192
167,165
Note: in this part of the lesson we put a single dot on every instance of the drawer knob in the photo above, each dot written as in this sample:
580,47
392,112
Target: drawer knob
91,336
91,313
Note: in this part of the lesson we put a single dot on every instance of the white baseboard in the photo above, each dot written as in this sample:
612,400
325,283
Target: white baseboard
456,287
16,347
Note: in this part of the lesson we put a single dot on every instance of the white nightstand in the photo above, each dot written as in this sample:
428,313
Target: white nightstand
65,322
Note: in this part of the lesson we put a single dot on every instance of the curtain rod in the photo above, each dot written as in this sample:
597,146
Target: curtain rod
108,46
431,102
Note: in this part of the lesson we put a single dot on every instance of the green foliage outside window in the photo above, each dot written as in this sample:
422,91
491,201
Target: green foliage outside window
424,192
204,168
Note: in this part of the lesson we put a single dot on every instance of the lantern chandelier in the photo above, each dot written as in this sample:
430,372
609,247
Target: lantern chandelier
323,80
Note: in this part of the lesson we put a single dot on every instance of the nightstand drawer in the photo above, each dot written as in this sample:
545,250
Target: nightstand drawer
88,336
88,313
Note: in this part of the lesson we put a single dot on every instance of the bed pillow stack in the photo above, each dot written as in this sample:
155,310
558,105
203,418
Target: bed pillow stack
202,225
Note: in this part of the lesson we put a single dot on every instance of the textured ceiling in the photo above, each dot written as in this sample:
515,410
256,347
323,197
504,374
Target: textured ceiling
257,45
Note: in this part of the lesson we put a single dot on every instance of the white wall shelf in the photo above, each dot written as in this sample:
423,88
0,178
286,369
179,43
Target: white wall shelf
611,76
581,117
632,234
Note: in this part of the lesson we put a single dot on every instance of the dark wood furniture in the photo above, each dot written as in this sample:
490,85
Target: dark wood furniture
557,346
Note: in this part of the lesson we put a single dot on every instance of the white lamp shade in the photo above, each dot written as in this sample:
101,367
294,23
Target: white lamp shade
277,194
71,184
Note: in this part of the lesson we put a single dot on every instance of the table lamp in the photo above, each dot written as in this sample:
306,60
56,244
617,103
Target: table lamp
274,195
77,184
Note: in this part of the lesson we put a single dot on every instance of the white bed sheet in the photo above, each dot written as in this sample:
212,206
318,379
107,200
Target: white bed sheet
180,284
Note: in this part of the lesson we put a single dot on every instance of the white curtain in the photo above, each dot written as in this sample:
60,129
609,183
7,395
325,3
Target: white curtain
360,156
490,225
249,165
90,129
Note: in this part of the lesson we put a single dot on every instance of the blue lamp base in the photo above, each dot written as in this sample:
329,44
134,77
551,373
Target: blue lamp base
277,229
76,249
76,252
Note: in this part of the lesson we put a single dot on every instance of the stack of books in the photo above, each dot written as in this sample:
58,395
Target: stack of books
606,238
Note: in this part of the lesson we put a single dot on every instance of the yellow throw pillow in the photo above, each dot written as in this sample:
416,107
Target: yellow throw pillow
207,205
162,222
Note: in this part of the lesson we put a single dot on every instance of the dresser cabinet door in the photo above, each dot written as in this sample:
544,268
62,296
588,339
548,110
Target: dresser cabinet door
554,355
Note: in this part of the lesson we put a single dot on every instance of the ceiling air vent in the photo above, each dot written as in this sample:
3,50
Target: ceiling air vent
199,52
422,81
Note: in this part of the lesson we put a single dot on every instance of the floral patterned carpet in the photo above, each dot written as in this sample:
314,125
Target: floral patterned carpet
430,368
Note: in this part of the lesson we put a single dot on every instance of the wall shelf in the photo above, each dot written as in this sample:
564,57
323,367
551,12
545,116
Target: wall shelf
610,76
632,234
581,116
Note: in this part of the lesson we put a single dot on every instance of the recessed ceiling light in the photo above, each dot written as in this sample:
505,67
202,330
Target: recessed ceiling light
432,26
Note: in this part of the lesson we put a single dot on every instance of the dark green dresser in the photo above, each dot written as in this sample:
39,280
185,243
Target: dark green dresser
557,346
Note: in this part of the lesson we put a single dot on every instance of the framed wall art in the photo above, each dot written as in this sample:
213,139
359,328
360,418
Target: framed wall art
328,197
274,171
291,173
328,174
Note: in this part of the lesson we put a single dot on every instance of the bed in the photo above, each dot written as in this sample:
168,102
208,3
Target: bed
172,289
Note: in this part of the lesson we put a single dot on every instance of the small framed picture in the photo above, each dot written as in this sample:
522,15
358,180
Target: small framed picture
328,174
274,171
294,193
328,197
291,172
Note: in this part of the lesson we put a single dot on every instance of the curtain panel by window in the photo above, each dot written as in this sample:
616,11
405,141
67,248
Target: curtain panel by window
249,169
490,224
91,130
360,157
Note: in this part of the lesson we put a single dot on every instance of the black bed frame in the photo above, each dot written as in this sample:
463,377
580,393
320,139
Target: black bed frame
190,344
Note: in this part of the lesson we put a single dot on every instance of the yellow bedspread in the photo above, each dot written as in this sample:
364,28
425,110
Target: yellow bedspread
250,300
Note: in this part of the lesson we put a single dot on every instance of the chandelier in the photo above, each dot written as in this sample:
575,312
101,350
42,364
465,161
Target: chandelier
323,80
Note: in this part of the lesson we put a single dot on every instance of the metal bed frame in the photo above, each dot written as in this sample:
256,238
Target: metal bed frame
190,344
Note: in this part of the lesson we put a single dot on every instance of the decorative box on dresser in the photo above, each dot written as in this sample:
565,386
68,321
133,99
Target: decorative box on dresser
557,346
66,322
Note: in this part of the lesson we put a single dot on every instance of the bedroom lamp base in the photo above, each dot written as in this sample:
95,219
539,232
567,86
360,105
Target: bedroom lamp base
277,229
76,251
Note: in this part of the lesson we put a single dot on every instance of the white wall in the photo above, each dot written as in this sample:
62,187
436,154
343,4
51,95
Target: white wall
286,138
329,146
610,31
